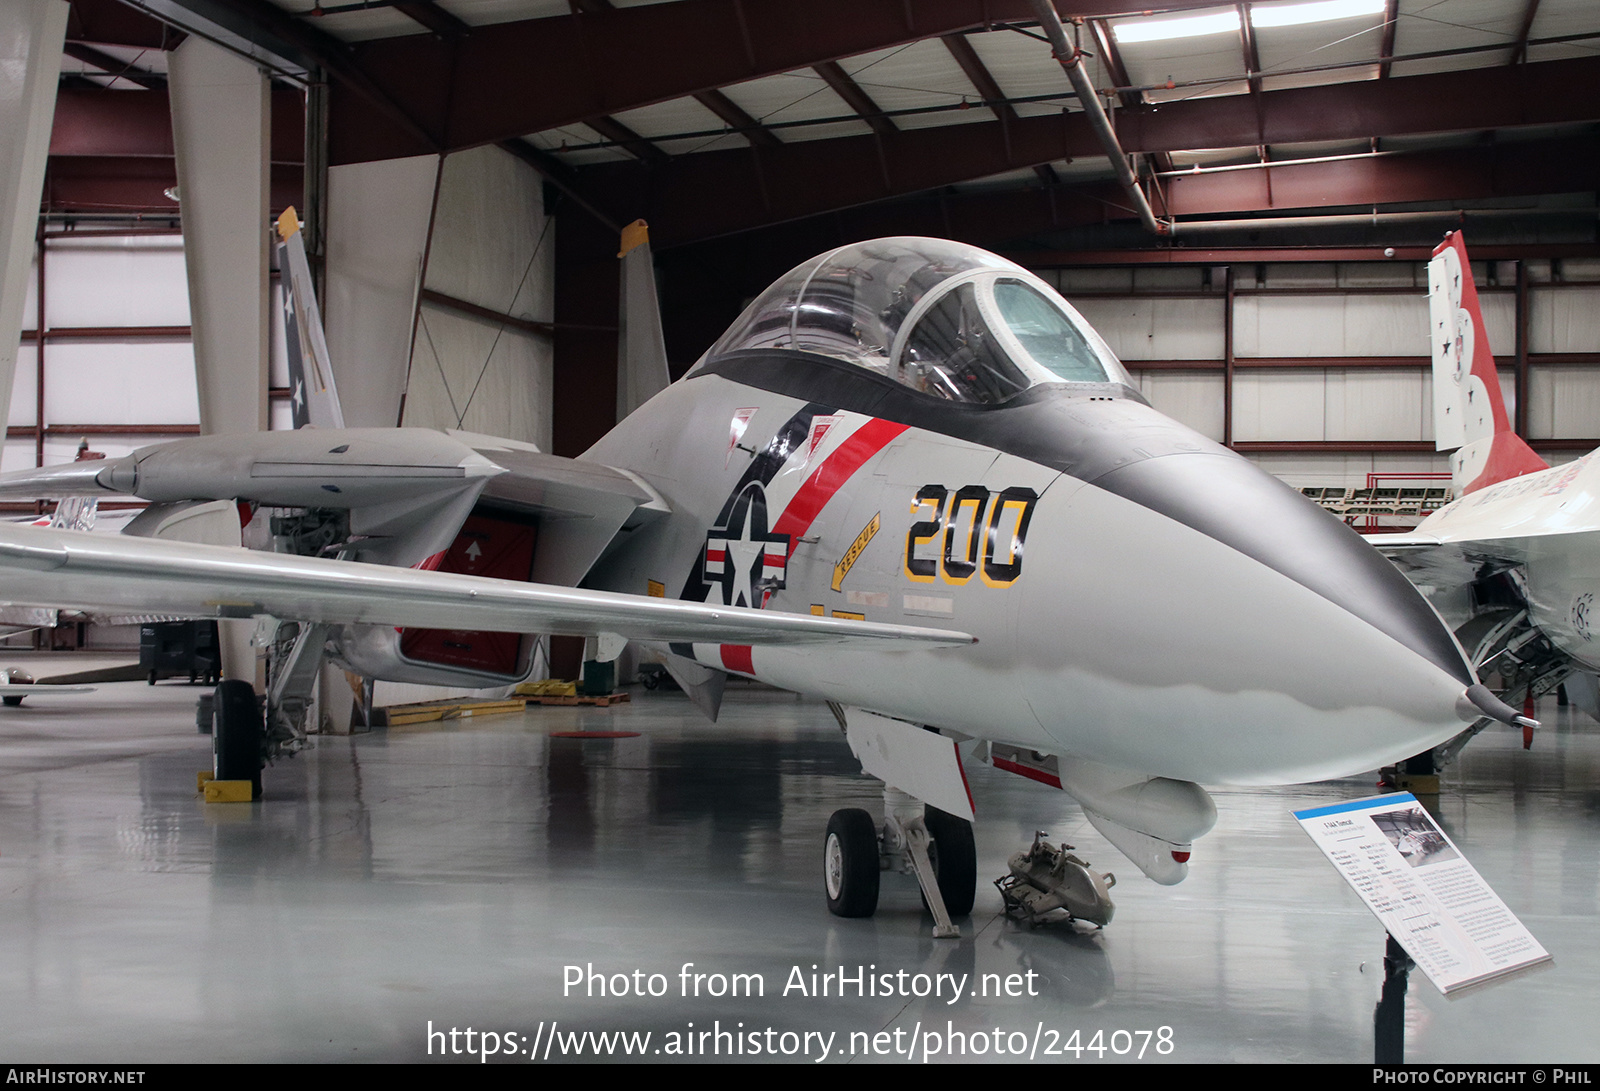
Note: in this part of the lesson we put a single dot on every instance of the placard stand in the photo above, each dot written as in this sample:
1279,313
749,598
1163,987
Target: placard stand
1389,1017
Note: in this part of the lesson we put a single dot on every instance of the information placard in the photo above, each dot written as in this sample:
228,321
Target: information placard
1412,876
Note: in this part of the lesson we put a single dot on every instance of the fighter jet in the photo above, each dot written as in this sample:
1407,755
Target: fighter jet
911,480
1511,560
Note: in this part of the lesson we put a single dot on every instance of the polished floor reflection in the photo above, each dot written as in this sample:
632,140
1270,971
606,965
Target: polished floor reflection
449,876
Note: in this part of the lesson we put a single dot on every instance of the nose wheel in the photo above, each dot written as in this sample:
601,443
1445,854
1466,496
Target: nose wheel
936,847
850,864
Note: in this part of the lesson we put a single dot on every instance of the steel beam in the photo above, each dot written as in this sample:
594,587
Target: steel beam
1519,52
731,112
834,75
112,66
283,35
988,88
715,101
97,123
1391,22
1547,166
561,177
137,185
515,78
701,196
110,22
473,310
19,431
428,14
1052,259
139,124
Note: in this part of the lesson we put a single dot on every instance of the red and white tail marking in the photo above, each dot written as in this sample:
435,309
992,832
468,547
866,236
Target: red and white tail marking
1468,410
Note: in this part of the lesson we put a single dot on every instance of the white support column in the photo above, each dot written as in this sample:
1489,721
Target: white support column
31,33
221,130
378,217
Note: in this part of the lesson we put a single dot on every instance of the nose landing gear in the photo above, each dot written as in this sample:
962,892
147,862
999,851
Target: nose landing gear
936,847
850,864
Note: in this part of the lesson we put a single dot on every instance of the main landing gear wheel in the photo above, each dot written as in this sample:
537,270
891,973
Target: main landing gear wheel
236,744
850,864
955,860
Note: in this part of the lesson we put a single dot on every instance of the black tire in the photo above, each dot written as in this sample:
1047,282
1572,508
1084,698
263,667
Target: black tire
850,864
955,860
13,701
237,738
151,680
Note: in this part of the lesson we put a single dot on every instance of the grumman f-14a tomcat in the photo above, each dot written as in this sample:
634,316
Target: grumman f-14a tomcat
909,479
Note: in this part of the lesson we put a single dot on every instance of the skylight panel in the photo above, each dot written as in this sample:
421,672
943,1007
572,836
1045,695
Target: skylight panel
1318,11
1133,31
1188,26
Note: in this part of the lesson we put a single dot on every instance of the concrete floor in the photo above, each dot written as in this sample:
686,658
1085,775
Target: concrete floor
447,876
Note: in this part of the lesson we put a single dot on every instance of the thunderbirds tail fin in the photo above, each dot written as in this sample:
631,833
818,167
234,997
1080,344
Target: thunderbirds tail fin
641,349
312,394
1468,410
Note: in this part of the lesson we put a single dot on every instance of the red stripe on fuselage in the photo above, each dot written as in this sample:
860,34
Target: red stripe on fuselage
831,476
736,657
813,496
1025,771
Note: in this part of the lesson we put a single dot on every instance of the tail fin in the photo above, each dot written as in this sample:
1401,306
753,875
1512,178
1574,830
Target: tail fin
312,394
1468,410
641,349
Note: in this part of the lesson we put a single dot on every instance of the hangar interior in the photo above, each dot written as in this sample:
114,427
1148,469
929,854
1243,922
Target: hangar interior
462,169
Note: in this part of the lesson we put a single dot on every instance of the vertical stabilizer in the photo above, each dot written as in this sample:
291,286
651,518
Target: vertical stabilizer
1468,410
313,396
641,349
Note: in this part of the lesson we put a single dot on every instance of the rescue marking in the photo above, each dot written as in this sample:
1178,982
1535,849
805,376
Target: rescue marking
851,555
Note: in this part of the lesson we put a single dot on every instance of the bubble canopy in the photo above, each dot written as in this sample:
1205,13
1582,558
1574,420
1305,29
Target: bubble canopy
950,320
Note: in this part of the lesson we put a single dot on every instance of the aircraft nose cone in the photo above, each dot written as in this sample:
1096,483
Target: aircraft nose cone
1229,499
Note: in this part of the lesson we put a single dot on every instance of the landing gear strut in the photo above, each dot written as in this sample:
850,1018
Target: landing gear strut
936,847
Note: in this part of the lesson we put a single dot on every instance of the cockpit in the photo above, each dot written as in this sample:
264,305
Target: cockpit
940,317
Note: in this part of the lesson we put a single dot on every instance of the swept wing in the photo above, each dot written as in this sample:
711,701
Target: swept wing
65,568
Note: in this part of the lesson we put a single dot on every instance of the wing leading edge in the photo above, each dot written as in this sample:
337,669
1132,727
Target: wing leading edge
63,568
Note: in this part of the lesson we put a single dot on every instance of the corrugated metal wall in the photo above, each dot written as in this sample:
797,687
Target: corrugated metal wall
491,248
1328,360
118,360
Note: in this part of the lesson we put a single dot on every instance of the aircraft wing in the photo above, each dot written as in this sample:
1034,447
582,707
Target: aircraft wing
88,571
1399,545
1440,562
